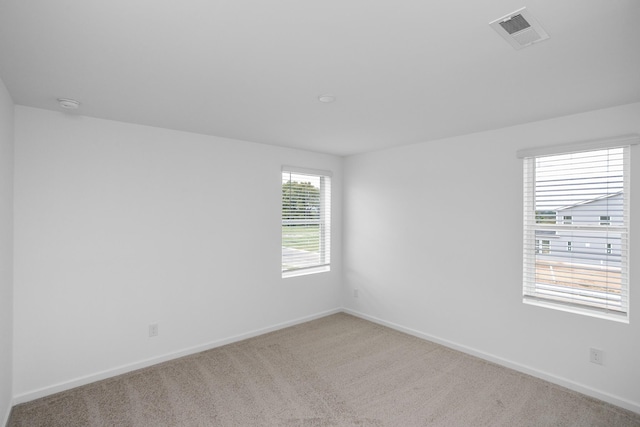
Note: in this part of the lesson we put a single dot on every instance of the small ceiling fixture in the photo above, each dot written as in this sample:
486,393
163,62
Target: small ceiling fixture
68,104
326,98
520,29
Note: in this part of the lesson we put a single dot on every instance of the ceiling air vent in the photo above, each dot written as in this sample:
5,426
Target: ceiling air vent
519,29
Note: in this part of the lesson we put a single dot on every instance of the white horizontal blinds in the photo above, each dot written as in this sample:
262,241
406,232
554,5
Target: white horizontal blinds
576,228
306,221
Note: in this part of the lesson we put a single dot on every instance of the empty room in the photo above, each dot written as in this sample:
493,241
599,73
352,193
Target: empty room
319,213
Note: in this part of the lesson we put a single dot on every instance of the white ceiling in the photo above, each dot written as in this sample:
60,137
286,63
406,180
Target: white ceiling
403,71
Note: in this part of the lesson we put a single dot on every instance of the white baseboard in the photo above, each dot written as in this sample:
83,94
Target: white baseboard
564,382
87,379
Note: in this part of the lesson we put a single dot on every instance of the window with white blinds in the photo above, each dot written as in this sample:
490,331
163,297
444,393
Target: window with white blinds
576,231
306,221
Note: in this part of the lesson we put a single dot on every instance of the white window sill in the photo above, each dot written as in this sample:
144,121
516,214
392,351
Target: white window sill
306,271
622,318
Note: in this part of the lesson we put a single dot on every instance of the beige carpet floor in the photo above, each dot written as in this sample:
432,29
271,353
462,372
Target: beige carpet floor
334,371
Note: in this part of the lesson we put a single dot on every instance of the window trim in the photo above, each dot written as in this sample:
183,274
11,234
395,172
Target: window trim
599,144
530,254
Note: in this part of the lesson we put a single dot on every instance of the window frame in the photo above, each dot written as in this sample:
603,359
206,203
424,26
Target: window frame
323,222
531,249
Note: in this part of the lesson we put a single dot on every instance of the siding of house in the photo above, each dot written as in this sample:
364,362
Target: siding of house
585,247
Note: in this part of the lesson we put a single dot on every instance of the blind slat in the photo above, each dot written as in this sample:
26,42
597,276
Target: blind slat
576,211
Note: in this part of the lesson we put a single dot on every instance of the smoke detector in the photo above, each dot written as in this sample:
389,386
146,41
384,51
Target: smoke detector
520,29
68,104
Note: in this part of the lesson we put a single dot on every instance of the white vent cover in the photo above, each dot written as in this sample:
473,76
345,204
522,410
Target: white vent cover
520,29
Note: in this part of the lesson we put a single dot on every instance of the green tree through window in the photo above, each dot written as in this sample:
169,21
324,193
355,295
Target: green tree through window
300,200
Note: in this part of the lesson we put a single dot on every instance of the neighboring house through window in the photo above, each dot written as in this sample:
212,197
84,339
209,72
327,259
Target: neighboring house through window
306,221
576,228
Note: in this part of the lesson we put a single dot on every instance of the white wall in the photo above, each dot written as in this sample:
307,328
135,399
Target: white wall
119,225
6,251
433,243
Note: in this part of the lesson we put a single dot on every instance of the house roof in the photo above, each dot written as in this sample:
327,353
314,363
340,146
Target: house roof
586,202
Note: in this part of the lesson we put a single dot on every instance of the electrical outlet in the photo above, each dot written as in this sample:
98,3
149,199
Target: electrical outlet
153,330
596,356
355,293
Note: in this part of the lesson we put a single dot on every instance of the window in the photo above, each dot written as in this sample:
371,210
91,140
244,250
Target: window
542,246
306,221
585,267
